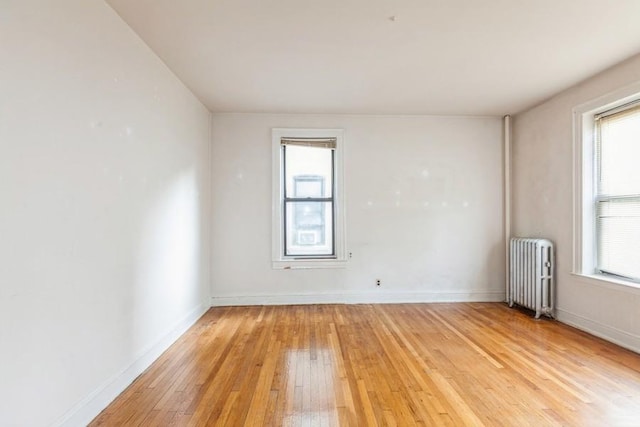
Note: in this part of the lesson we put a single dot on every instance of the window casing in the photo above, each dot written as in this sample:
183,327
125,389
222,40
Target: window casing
607,188
308,198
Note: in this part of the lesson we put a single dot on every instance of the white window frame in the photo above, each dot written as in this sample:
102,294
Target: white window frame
279,260
584,181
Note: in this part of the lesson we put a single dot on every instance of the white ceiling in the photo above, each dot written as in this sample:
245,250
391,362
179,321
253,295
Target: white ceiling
469,57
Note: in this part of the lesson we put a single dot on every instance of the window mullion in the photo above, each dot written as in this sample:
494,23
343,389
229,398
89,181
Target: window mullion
308,199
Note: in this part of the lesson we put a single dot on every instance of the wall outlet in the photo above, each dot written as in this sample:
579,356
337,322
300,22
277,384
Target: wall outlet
378,282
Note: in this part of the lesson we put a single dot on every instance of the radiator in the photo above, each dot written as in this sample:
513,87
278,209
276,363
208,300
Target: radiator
531,275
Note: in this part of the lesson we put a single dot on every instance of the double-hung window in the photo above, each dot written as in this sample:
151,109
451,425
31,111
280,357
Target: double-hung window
308,205
607,188
617,199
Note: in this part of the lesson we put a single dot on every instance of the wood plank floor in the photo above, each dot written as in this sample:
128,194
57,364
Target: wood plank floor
385,365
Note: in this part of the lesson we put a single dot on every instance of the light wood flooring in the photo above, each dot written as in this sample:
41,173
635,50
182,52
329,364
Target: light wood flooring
385,365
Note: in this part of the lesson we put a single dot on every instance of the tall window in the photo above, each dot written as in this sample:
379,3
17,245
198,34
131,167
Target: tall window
606,235
617,191
308,219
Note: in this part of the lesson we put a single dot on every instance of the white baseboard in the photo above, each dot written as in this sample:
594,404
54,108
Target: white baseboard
87,409
359,298
608,333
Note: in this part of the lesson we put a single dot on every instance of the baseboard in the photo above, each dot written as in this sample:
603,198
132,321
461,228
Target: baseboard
87,409
608,333
359,298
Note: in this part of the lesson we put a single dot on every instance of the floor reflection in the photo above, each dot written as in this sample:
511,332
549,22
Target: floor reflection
310,397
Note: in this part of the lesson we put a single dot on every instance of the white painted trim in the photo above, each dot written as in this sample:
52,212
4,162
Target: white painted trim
89,407
302,264
583,189
607,282
359,298
608,333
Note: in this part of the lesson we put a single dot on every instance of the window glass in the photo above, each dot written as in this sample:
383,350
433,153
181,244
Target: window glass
619,152
619,237
310,162
309,228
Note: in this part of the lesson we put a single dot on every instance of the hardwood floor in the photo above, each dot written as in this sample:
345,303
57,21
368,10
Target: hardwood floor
386,365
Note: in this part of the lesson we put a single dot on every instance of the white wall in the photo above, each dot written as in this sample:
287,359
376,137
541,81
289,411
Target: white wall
424,211
104,207
542,206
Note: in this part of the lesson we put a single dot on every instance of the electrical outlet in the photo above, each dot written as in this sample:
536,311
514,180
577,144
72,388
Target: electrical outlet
378,282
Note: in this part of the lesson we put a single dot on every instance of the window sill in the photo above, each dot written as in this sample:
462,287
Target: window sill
305,264
608,282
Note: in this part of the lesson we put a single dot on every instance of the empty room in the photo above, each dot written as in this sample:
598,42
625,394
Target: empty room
319,213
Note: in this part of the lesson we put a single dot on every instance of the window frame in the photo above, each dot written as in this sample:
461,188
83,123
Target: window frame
293,200
585,176
279,259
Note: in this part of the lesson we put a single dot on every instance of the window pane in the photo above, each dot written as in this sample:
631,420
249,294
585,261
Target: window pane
620,154
619,237
309,228
308,171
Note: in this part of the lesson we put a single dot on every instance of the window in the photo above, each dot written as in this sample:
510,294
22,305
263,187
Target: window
607,193
617,199
308,211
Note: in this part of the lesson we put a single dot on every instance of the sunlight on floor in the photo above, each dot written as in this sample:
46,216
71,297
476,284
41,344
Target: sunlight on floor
310,392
